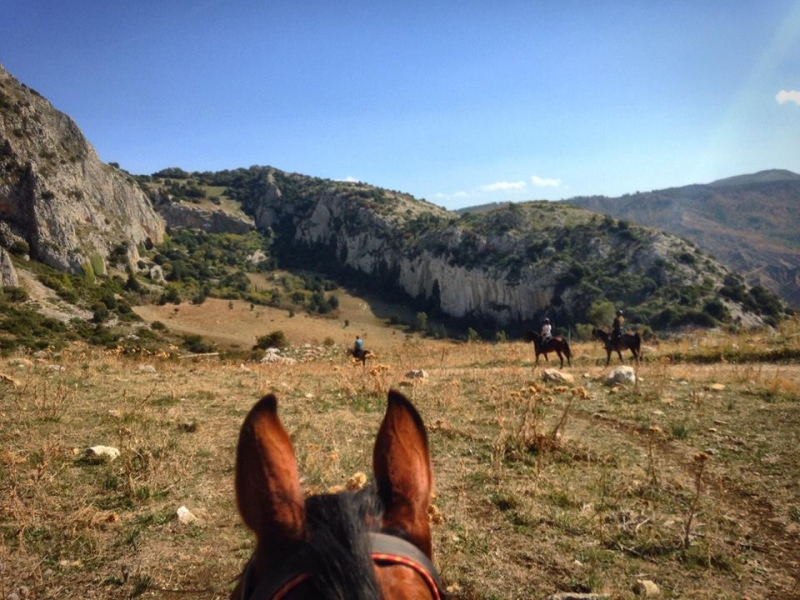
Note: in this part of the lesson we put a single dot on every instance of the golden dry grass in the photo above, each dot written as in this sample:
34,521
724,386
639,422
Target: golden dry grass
540,487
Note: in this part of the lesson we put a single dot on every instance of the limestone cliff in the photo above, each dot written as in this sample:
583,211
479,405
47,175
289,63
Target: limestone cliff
8,274
210,221
509,266
69,207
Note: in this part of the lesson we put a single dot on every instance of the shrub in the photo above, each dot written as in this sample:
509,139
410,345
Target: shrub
197,345
20,248
100,313
274,339
15,294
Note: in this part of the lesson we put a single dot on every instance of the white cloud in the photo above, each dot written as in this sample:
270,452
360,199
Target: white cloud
785,96
351,179
545,182
504,186
454,195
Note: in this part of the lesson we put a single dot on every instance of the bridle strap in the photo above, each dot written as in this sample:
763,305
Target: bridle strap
385,549
390,549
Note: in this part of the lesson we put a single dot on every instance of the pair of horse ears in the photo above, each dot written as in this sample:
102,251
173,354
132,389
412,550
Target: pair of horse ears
268,489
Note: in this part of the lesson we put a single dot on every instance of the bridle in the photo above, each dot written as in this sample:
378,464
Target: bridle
385,549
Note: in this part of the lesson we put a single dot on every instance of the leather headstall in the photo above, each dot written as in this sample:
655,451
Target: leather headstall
385,550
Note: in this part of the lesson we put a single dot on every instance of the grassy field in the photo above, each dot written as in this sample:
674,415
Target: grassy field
689,480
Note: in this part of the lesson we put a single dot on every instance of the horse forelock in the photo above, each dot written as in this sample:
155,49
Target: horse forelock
338,527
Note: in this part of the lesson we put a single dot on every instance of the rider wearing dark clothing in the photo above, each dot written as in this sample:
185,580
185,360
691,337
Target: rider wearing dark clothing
358,347
618,325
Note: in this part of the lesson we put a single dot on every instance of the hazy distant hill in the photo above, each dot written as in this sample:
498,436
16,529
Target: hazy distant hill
751,223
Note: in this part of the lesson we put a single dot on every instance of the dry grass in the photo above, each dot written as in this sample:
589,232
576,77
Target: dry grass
540,487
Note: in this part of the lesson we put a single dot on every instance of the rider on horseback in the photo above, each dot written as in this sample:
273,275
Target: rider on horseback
358,348
547,331
617,326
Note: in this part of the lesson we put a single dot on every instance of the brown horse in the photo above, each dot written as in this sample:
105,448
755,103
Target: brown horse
555,344
366,545
628,341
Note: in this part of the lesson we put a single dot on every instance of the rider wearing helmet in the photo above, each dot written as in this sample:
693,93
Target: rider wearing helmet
617,326
547,330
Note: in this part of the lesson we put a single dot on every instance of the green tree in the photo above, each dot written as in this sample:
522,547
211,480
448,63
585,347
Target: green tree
601,312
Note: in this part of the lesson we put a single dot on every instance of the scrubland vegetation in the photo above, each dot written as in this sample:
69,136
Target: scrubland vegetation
688,480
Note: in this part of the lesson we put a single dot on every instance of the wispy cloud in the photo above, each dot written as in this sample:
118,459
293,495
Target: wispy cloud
501,190
453,196
504,186
545,182
785,96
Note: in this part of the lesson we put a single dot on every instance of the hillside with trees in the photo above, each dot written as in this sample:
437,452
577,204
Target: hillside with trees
751,223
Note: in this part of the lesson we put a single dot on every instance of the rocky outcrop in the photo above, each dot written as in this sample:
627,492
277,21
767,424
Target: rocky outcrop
8,274
503,267
210,221
69,207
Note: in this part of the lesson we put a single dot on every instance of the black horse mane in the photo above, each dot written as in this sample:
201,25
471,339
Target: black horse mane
338,527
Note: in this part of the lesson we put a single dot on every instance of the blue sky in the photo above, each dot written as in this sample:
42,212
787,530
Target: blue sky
460,103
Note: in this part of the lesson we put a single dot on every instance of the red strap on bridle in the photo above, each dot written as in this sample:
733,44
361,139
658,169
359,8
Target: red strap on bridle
393,559
386,550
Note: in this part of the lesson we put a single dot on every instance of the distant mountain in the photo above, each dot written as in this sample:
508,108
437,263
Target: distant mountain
751,223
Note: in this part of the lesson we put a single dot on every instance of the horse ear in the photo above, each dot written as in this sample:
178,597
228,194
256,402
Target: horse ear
402,467
267,485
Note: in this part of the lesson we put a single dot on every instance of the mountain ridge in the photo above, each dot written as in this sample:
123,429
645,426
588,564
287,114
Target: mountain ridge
750,222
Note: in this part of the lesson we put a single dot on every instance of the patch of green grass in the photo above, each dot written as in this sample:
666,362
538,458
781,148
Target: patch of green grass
680,431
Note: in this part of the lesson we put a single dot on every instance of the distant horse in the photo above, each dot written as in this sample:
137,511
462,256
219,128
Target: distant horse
366,545
555,344
628,341
361,355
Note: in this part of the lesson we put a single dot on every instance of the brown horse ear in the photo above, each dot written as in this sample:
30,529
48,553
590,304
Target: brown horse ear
402,467
267,485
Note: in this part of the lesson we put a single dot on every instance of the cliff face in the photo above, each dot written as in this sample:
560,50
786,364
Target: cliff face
508,266
56,194
210,221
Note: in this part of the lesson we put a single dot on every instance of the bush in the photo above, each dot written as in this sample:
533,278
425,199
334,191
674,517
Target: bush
274,339
197,345
100,313
15,294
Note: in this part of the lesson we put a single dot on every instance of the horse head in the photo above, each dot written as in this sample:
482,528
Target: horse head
375,543
599,334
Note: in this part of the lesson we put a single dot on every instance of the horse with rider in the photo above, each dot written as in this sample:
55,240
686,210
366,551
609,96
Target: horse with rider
545,342
617,340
